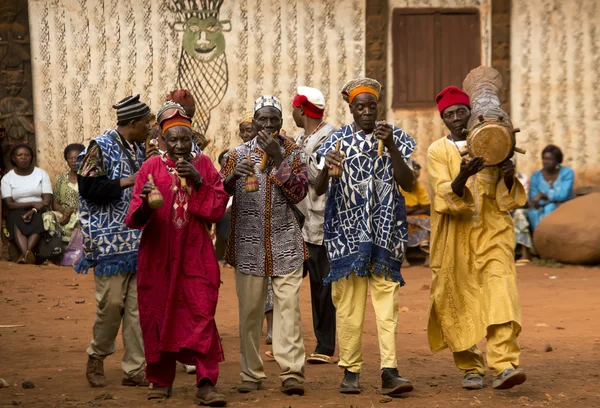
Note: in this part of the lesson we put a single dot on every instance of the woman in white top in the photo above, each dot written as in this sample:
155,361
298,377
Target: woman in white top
26,193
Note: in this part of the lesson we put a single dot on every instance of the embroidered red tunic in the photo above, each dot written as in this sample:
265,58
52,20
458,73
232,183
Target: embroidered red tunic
178,273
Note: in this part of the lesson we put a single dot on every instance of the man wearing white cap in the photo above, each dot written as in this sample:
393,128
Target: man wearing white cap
266,241
308,108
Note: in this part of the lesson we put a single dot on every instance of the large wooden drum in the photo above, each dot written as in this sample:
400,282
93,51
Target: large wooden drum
492,139
491,134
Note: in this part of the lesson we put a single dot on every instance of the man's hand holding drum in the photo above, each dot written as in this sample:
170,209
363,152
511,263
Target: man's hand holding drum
508,171
467,169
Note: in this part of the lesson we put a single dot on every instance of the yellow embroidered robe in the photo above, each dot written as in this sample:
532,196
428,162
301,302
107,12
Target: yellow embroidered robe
472,252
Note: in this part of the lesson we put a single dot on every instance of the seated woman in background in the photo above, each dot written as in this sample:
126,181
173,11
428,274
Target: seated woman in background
522,230
66,194
418,217
550,186
26,193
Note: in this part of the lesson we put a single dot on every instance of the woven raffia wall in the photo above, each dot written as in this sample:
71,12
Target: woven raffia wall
425,125
88,54
555,54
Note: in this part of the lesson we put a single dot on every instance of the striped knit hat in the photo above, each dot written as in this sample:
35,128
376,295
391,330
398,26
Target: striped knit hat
131,108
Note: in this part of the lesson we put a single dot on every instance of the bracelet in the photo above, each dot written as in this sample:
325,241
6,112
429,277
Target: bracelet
34,210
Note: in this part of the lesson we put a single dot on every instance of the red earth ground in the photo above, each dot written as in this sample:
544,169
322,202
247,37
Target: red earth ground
56,307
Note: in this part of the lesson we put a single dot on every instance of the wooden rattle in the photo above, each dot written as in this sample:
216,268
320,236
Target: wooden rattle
155,198
251,183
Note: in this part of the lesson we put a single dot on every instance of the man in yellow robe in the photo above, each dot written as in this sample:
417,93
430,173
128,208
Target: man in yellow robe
474,285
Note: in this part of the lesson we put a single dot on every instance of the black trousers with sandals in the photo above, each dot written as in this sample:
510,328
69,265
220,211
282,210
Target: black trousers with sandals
323,310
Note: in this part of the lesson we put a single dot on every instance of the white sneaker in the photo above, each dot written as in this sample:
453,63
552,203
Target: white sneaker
189,369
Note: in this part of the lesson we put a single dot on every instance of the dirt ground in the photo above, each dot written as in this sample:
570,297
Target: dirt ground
56,306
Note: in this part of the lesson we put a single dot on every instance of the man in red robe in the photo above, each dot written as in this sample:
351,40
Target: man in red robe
178,273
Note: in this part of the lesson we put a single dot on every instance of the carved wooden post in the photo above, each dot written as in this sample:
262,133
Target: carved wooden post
16,96
376,47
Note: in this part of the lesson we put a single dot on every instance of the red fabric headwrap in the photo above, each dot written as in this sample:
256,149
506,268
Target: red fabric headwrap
452,96
182,97
309,109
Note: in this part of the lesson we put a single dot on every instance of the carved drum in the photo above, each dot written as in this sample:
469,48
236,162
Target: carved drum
491,134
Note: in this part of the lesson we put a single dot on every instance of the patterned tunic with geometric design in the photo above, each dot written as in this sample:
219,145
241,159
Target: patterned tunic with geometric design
365,216
265,237
110,247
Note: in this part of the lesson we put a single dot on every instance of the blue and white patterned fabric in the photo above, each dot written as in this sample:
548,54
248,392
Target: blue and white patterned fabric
365,215
109,245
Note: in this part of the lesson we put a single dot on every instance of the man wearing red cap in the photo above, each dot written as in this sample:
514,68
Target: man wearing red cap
474,289
308,108
178,283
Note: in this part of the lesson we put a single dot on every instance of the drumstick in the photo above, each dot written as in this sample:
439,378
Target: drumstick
380,145
335,171
182,179
263,163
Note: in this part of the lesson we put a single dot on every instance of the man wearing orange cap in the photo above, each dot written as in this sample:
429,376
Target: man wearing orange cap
184,98
308,108
178,283
365,231
474,286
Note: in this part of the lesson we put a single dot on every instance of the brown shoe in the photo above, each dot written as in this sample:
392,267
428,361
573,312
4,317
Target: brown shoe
208,396
292,386
95,372
248,386
139,380
160,393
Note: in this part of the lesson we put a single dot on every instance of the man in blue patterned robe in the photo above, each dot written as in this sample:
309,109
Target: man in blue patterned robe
366,231
106,174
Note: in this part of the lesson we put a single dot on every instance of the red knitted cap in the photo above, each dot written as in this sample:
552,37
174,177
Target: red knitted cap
452,96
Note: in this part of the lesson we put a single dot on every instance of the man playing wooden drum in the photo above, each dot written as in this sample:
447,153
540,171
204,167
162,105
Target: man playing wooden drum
474,286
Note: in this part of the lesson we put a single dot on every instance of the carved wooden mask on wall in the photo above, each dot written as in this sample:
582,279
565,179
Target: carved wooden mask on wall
16,96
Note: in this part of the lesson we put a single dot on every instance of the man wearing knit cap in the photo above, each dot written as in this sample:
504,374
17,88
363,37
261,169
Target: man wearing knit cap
266,241
106,173
308,108
366,230
474,286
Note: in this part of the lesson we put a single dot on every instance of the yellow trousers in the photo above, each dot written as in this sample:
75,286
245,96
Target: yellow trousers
350,300
502,351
